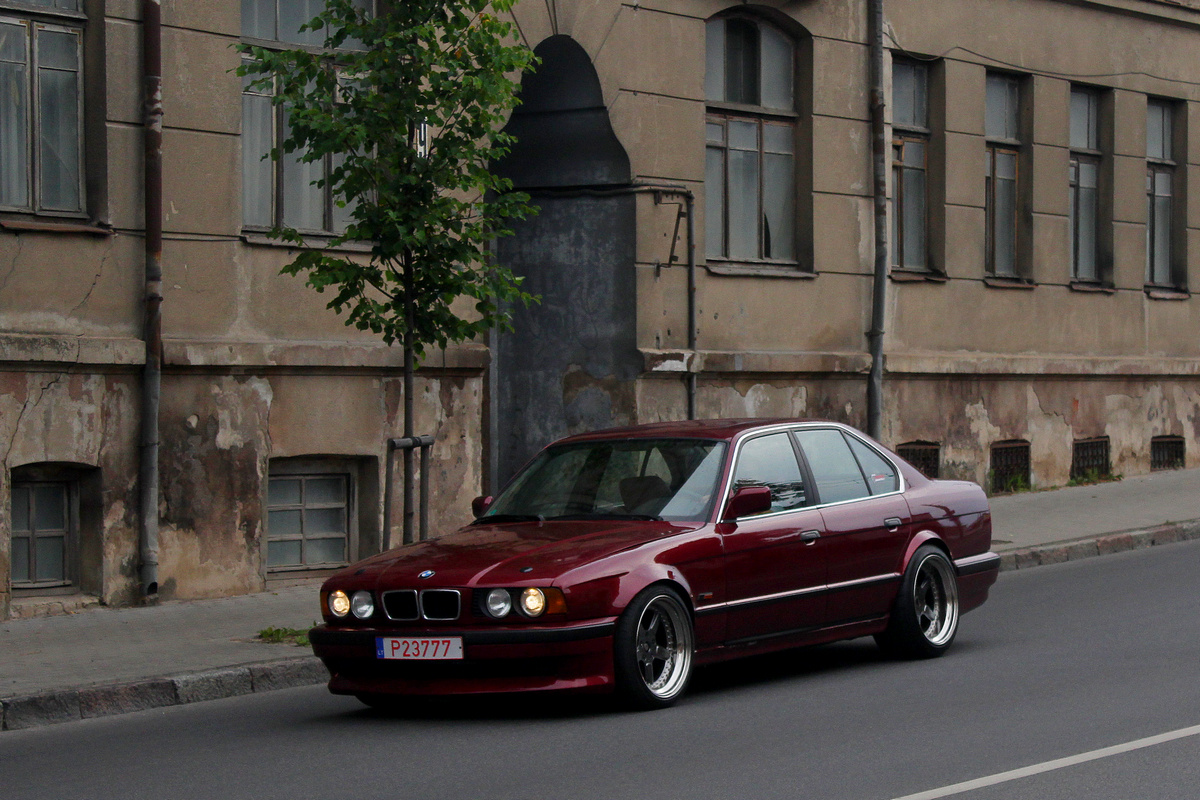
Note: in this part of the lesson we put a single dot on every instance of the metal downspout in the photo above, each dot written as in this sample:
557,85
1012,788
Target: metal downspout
879,284
152,372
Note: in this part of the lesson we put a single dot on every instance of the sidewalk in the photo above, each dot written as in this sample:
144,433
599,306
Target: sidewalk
102,661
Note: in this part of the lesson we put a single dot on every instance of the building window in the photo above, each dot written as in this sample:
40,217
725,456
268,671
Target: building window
1160,195
1010,470
1002,128
1166,452
750,167
1090,459
1085,185
42,528
308,520
41,113
925,456
283,192
910,160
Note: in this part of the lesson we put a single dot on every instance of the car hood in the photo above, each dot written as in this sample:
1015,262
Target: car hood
525,552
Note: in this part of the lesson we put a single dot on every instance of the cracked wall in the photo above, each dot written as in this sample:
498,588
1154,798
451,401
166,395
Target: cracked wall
71,421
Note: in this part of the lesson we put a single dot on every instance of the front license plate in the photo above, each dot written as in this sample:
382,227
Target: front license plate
421,648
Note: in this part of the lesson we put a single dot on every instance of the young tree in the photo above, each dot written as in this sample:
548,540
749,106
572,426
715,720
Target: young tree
407,105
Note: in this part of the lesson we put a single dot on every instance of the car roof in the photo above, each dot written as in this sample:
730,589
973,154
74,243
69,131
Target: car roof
726,429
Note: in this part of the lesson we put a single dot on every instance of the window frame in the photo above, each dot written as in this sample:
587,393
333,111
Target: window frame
70,579
1009,146
60,20
331,225
1086,150
1164,165
305,468
905,133
721,112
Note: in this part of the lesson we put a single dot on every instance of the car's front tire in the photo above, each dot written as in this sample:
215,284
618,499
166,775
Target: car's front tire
653,648
924,617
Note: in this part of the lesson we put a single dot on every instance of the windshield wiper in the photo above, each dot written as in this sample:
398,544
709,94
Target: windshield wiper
510,518
608,515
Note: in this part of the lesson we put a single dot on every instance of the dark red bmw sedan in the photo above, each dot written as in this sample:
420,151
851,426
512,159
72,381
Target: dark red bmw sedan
619,560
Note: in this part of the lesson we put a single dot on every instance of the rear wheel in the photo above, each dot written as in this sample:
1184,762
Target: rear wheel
653,648
925,615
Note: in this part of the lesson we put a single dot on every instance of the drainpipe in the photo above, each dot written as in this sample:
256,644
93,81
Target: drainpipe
152,372
879,285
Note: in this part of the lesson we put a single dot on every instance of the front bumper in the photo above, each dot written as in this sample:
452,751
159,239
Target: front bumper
570,657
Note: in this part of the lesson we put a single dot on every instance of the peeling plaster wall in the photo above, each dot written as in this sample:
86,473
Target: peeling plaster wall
220,433
967,416
76,419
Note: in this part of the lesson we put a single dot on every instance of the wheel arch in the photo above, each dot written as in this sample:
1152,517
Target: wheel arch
921,539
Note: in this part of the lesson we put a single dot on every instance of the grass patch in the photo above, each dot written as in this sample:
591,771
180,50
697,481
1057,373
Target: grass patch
293,636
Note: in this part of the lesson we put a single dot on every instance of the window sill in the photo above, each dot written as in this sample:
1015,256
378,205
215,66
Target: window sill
314,242
1091,288
56,227
760,269
916,276
1167,293
1008,283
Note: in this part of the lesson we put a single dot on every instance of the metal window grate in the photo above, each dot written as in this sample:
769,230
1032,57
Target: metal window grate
925,456
1010,466
1089,459
1166,452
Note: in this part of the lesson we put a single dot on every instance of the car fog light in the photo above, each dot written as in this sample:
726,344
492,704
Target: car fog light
339,603
533,602
362,605
499,603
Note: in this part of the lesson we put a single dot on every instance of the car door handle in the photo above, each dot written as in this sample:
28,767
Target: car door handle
810,537
893,523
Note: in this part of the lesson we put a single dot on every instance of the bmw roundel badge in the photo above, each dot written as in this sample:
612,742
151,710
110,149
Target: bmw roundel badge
426,574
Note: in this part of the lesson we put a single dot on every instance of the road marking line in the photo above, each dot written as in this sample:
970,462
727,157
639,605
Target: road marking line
1049,766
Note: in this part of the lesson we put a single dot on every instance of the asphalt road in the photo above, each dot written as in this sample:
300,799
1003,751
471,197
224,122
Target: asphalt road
1081,662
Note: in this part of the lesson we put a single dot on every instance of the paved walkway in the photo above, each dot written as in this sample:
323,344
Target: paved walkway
106,661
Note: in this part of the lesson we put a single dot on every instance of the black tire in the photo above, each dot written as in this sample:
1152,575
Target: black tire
925,615
653,648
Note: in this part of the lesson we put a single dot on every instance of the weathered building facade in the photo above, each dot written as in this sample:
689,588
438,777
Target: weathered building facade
1044,212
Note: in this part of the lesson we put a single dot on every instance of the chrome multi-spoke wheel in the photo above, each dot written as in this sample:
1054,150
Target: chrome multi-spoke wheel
653,648
925,615
935,599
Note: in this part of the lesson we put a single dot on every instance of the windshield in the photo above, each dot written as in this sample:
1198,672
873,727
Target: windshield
672,479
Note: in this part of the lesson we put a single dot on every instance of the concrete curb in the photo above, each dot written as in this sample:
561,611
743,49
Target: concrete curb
70,705
1106,544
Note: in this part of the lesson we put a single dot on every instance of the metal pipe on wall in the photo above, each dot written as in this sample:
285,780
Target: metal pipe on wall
879,151
407,444
152,371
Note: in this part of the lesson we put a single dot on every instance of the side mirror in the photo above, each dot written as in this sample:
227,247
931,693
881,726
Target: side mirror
747,501
480,505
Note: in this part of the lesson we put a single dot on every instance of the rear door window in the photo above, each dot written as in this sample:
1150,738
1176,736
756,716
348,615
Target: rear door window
833,466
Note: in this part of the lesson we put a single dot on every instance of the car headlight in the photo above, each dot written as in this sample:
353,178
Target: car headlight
498,603
533,602
339,603
362,604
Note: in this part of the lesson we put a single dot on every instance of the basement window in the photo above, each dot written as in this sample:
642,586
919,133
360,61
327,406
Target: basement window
308,520
1010,470
1090,459
43,527
1166,452
925,456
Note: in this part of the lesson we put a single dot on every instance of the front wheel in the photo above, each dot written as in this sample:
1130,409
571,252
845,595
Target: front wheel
653,648
925,615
